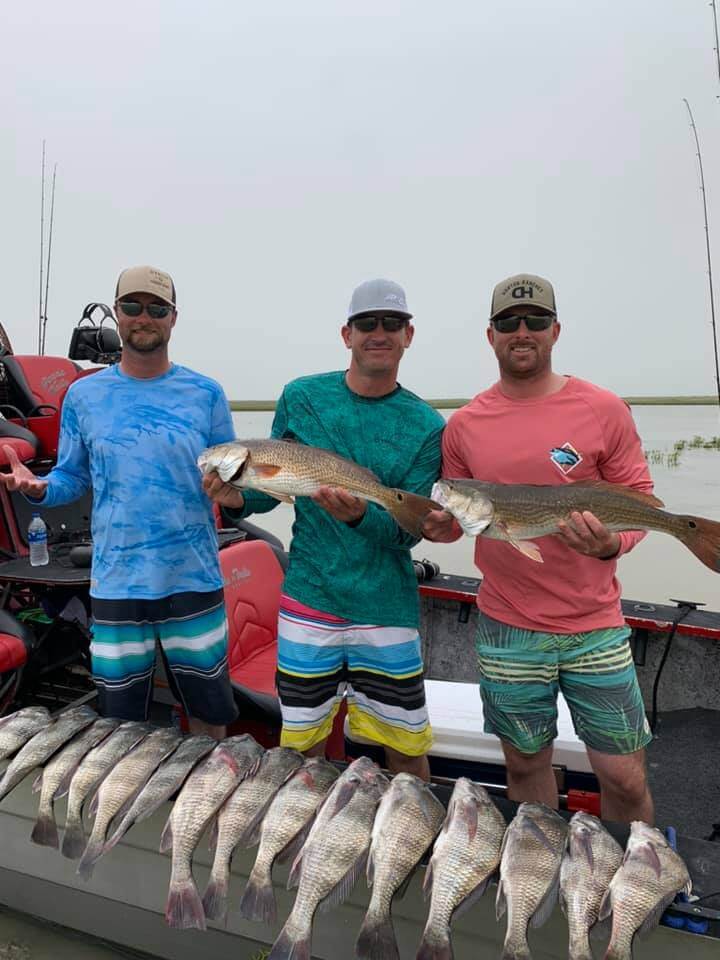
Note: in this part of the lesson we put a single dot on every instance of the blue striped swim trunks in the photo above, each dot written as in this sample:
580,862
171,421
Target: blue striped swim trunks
380,669
191,632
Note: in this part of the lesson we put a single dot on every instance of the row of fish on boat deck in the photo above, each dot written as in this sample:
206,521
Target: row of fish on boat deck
332,826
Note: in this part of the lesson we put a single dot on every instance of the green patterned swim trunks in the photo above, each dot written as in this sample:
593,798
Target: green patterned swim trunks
521,672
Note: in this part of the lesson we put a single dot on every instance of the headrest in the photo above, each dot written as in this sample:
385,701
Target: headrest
93,341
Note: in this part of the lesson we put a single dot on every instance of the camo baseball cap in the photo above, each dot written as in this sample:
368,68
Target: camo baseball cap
524,289
146,280
378,295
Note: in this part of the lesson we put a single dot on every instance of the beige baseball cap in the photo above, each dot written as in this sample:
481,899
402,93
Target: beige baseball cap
524,289
146,280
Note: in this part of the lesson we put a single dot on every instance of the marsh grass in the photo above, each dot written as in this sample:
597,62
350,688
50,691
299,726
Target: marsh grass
671,458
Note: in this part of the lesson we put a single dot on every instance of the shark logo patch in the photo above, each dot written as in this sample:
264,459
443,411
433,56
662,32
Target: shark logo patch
565,458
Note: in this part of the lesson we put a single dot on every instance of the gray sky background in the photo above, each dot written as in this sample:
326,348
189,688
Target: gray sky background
271,156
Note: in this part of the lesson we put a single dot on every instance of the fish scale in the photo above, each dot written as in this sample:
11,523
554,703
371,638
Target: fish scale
589,864
466,854
285,470
94,766
204,792
44,744
56,776
120,787
290,812
165,781
407,821
519,512
239,814
17,728
529,870
328,864
649,878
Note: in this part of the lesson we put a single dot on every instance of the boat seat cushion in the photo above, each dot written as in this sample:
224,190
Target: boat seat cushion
252,581
16,642
13,653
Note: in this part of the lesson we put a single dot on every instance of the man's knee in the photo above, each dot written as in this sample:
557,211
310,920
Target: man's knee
625,775
521,765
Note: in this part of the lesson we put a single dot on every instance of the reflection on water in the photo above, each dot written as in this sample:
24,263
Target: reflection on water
659,568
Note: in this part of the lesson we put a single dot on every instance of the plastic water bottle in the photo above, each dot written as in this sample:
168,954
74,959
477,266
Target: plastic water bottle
37,541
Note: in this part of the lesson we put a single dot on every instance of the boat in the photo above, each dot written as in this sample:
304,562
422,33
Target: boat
44,658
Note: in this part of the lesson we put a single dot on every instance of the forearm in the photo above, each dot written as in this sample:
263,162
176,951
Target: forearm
378,525
254,502
629,539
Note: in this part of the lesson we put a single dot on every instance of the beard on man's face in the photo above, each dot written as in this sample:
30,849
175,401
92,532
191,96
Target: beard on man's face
146,341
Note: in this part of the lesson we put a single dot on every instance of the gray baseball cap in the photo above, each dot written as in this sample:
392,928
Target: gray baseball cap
378,295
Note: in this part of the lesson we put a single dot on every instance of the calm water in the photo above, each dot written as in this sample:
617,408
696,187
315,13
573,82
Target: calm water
660,567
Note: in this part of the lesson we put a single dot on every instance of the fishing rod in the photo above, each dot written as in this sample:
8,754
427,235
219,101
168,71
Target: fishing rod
707,245
717,41
49,254
42,243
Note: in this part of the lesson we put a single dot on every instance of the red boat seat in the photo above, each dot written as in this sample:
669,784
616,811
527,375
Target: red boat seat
16,642
253,580
47,377
13,653
39,387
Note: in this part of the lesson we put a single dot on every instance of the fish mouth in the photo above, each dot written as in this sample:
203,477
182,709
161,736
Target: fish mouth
439,493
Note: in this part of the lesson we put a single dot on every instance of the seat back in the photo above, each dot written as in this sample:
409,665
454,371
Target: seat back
47,377
47,380
252,581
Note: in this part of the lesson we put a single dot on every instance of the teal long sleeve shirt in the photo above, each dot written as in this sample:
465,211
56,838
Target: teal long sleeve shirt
363,573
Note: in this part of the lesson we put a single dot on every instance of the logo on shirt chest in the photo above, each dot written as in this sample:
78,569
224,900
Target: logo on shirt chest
565,458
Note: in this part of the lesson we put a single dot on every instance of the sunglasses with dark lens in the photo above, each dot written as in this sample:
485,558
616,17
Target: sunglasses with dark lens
511,323
368,324
132,308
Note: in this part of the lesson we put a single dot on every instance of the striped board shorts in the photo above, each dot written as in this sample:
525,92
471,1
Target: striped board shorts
190,630
379,669
521,672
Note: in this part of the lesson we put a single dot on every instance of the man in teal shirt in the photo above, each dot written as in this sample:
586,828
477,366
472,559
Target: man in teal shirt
350,611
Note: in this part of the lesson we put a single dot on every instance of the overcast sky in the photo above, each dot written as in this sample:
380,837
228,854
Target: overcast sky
272,155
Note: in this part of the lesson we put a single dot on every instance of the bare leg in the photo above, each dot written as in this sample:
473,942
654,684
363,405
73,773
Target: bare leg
623,786
402,763
530,776
317,749
211,729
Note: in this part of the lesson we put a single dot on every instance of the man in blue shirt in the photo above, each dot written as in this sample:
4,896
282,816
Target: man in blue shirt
132,433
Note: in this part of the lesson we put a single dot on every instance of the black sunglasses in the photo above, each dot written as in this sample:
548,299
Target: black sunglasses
132,308
534,322
368,324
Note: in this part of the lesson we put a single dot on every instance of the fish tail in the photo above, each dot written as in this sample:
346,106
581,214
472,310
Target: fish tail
703,538
184,909
516,947
45,831
579,946
436,945
73,839
93,851
215,899
292,943
258,900
376,940
410,510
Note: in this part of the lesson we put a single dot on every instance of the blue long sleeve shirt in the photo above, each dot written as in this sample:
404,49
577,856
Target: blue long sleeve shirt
135,442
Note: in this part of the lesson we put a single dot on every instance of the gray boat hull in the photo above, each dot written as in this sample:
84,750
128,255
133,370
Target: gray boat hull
124,903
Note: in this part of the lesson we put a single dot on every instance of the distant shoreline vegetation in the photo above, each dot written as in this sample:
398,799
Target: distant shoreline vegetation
452,403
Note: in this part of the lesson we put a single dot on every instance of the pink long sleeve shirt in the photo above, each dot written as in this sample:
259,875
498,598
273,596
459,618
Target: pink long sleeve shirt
582,432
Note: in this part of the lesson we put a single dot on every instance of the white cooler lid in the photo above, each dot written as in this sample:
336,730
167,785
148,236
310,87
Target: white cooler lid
456,716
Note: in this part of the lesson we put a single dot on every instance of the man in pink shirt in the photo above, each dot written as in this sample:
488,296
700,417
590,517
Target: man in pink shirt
556,625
